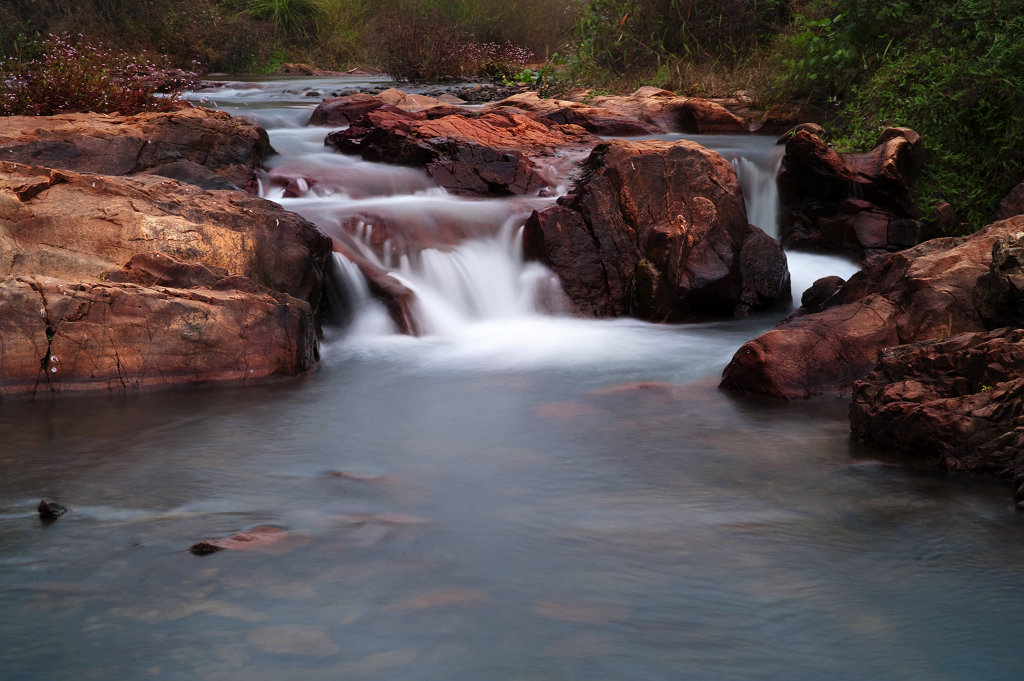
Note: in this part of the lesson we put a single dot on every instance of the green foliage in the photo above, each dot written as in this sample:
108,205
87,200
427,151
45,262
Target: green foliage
289,17
953,70
619,37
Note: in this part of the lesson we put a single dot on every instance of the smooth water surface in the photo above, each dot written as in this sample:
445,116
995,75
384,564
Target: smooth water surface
516,496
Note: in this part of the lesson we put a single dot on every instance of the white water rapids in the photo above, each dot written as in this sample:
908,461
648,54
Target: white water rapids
477,300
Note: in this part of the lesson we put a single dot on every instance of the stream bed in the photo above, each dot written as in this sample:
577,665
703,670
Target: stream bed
516,496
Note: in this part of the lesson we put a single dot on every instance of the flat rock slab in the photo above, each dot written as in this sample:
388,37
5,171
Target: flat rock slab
198,140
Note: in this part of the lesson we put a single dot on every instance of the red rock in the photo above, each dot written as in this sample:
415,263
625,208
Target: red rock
231,148
256,538
921,293
955,404
856,203
598,120
338,111
657,230
215,287
493,154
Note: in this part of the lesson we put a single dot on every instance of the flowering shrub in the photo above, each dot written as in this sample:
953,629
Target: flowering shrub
74,76
496,61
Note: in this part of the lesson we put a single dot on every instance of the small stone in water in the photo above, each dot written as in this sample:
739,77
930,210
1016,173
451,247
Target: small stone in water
50,509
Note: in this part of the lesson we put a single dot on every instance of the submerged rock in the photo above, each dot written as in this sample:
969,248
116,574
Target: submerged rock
658,231
51,510
918,294
256,538
957,404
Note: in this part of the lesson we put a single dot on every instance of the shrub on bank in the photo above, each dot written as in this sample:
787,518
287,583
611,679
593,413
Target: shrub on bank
70,75
953,70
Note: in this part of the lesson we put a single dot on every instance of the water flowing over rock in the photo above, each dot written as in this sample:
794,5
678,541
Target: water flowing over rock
957,404
914,295
496,153
128,282
194,145
658,231
854,203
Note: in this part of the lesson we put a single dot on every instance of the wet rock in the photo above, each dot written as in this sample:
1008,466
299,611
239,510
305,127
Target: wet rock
852,203
50,509
256,538
956,404
492,154
343,110
658,231
821,293
175,143
999,293
398,299
914,295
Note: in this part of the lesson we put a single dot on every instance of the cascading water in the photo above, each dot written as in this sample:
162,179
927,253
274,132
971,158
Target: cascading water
516,494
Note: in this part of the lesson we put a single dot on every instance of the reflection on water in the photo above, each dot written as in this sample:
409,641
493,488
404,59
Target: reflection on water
521,498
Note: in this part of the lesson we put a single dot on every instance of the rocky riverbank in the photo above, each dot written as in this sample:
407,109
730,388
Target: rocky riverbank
130,257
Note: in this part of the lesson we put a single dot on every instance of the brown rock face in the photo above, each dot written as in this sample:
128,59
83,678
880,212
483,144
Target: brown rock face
60,336
343,110
1012,204
999,293
492,154
671,113
856,203
130,282
195,145
922,293
658,231
956,403
595,119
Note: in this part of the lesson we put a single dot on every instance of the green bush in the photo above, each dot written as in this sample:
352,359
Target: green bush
953,70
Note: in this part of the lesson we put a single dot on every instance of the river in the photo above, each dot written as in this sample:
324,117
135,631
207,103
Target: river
516,496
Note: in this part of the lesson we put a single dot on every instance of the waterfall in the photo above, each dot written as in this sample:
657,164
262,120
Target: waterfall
462,258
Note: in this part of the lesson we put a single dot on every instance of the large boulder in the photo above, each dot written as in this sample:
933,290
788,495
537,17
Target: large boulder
861,204
338,111
198,145
918,294
128,282
658,231
497,153
956,403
